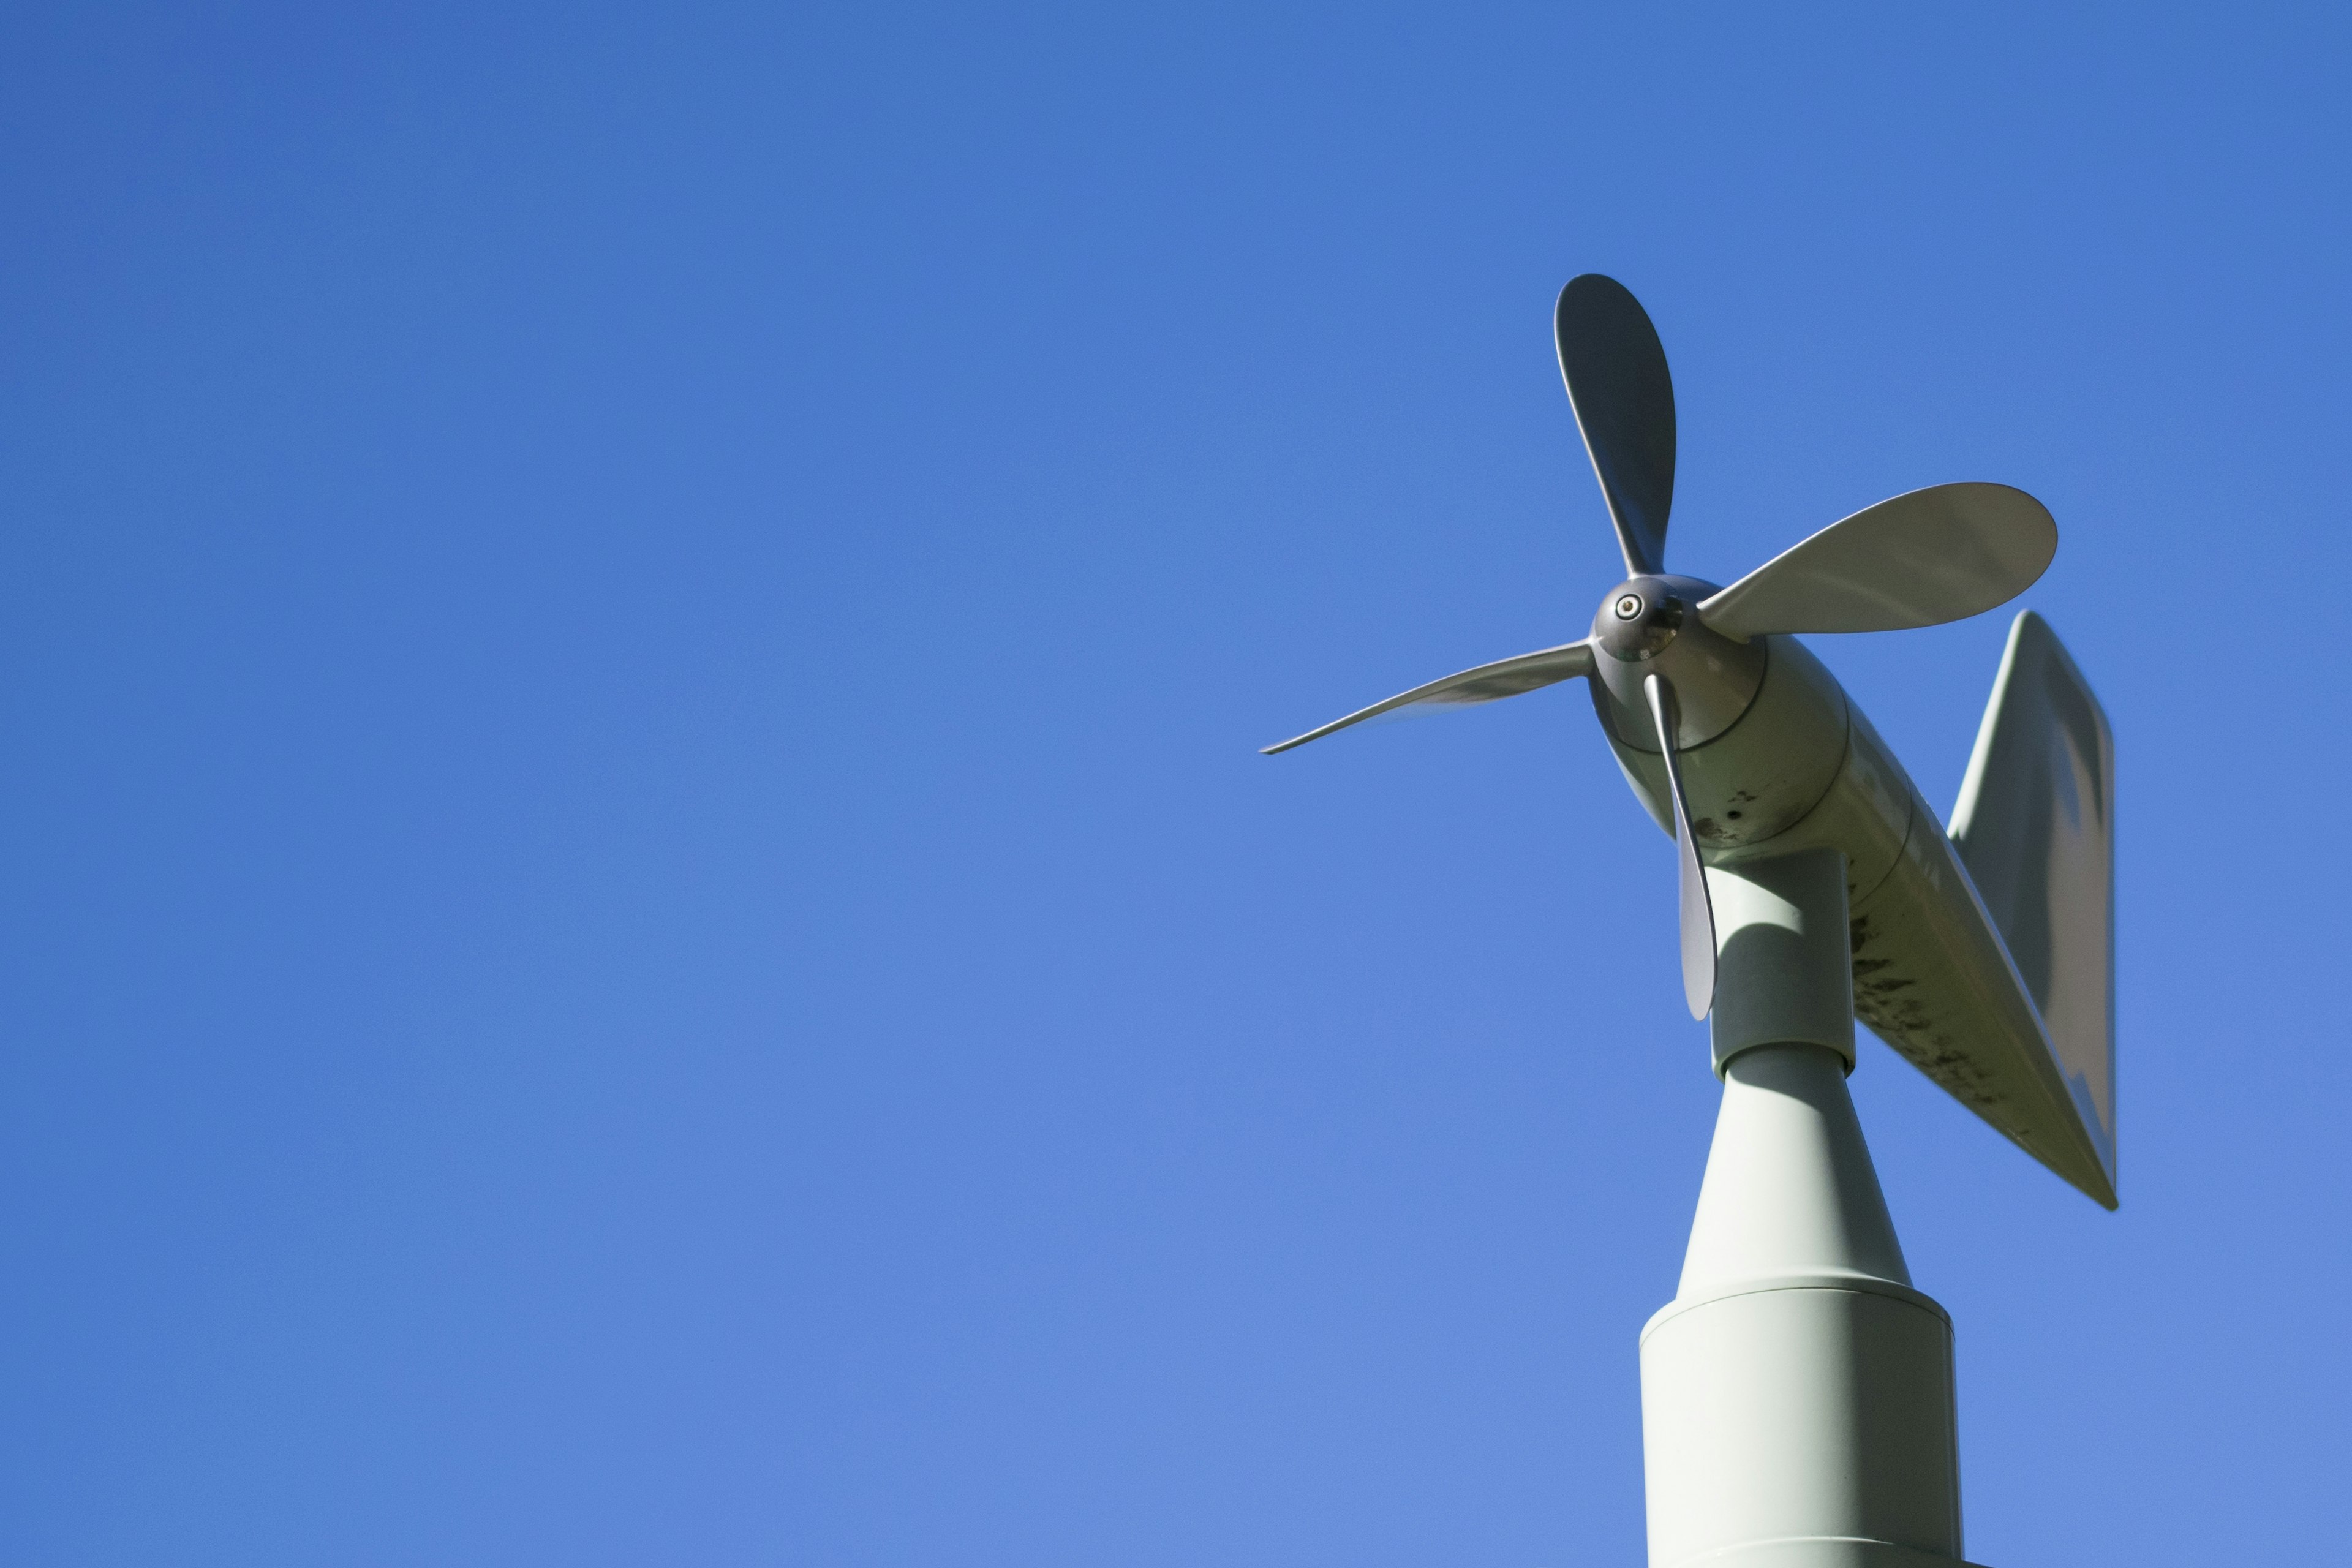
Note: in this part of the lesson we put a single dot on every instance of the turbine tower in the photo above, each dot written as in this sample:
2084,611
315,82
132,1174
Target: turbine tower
1797,1401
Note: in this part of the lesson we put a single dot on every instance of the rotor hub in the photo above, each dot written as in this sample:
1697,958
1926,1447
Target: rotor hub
1641,620
1649,625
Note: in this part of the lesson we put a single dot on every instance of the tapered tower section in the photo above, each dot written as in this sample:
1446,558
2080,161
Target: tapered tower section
1797,1405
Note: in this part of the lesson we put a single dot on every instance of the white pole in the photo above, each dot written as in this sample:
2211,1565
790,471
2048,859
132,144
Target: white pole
1797,1393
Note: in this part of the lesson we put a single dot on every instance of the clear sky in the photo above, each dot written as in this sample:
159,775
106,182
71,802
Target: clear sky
639,919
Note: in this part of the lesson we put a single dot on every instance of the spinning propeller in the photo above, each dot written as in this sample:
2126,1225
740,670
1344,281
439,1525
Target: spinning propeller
1679,659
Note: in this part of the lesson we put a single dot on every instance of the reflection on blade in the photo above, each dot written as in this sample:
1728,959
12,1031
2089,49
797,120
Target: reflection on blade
1916,560
1697,909
1504,677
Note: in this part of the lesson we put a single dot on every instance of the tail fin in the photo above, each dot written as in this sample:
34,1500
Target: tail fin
2035,826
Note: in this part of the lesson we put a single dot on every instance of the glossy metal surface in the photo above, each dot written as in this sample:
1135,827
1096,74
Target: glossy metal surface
1916,560
1486,682
1698,911
1743,792
1714,678
2035,826
1615,369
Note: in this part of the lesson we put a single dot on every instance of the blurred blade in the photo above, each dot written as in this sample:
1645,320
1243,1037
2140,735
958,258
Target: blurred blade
1624,401
1919,560
1697,909
1504,677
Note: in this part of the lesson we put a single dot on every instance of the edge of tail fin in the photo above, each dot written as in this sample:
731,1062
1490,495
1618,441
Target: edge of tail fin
2035,828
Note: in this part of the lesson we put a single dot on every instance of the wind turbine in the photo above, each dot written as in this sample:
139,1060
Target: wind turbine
1797,1402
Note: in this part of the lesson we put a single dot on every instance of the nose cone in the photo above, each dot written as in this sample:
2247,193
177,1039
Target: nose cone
1641,618
1649,625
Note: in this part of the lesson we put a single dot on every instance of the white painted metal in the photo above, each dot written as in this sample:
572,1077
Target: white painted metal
1797,1406
2035,825
1797,1393
1805,769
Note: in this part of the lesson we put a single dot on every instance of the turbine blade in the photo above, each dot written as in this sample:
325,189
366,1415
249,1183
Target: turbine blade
1919,560
1697,909
1504,677
1615,369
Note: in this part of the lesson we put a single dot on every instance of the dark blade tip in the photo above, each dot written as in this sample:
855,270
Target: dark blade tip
1594,286
1623,396
1596,305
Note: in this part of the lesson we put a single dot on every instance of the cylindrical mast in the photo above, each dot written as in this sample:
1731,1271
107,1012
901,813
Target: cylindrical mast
1797,1406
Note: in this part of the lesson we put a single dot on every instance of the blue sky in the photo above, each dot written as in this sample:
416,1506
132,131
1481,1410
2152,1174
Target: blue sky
641,922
